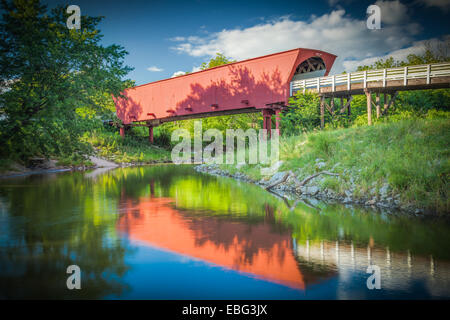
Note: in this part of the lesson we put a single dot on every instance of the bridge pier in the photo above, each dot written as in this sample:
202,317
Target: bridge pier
277,120
122,132
369,106
150,134
377,103
267,120
322,112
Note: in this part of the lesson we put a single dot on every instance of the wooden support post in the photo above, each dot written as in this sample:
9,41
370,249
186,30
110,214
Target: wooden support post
377,102
369,107
150,134
349,101
267,121
322,112
391,101
346,105
122,132
332,106
385,102
277,120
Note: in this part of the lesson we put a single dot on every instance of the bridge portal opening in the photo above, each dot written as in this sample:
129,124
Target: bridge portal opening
310,68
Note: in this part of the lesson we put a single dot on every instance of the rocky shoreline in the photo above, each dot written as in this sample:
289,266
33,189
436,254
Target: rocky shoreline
384,199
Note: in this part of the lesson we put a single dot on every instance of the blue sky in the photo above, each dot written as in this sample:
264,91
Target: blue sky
164,37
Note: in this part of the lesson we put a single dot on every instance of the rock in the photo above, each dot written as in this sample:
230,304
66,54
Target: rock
371,202
331,193
272,169
320,165
348,193
102,163
384,190
311,190
277,177
348,200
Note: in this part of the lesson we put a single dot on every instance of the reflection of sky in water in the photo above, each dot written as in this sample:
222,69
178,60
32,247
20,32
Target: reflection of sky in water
170,233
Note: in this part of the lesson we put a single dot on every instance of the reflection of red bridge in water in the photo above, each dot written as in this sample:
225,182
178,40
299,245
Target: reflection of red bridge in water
256,85
257,250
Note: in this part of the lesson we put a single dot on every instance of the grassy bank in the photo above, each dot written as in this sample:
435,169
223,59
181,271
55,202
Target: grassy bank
408,158
131,149
101,143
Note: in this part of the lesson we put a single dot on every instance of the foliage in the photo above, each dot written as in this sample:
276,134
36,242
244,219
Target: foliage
218,60
412,156
132,148
303,113
55,81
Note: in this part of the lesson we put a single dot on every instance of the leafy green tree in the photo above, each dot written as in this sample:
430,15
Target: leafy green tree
303,113
219,60
47,72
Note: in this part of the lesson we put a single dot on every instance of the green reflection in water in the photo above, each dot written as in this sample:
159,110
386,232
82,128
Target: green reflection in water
51,221
210,195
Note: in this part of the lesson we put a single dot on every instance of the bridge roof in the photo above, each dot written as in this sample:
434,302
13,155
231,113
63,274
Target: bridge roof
250,84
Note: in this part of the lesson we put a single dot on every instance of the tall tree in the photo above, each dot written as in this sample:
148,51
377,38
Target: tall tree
219,60
46,72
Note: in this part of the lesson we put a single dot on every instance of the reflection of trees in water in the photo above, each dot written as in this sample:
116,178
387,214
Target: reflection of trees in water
208,195
54,223
252,238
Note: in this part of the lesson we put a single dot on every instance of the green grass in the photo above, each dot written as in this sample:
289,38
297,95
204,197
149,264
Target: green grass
412,156
125,150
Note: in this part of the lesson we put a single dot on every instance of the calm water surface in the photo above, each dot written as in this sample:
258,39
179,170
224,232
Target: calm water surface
168,232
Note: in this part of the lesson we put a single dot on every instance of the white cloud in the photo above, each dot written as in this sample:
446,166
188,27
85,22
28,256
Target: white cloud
393,12
180,73
417,47
155,69
441,4
336,32
177,39
177,74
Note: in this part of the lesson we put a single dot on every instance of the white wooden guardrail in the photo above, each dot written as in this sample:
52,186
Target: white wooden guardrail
426,71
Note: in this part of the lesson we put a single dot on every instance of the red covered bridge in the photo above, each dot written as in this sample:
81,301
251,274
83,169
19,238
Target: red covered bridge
255,85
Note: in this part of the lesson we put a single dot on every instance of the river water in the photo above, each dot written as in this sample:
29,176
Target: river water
169,232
